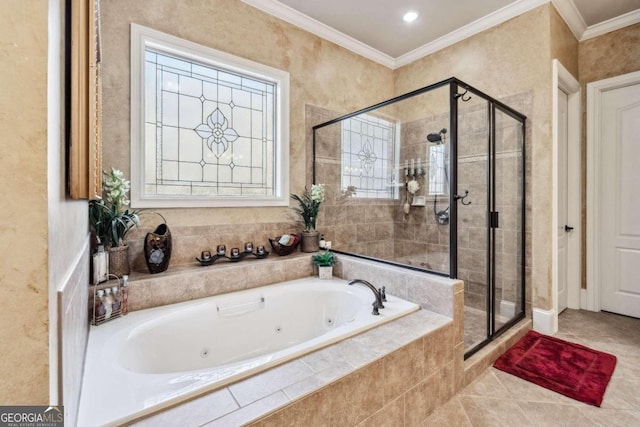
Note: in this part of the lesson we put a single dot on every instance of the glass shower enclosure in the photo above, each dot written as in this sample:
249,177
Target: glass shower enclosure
433,180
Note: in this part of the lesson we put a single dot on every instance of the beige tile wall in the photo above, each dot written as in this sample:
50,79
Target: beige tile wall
189,242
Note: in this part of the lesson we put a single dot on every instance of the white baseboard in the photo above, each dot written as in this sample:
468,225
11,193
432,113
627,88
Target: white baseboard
545,321
507,309
583,299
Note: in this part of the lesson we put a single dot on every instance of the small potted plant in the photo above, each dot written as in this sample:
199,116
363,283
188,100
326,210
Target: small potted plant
111,221
309,206
325,262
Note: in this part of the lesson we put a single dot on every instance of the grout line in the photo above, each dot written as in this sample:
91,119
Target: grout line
234,399
464,410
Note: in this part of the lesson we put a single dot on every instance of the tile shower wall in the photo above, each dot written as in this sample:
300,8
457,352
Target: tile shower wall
363,226
419,239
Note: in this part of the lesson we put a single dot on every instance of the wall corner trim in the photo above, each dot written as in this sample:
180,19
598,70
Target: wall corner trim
570,14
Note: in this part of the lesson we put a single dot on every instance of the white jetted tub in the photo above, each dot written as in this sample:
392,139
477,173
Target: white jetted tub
152,358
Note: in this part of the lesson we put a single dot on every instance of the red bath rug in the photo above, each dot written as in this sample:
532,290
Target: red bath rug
571,369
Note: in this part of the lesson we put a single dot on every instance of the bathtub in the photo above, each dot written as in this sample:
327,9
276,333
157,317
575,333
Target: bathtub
156,357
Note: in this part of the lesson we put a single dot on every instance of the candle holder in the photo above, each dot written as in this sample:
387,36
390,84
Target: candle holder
207,258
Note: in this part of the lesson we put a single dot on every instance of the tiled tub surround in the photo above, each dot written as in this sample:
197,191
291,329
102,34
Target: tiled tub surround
165,355
417,358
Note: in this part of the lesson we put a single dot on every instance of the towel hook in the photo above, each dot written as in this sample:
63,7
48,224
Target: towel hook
461,198
462,95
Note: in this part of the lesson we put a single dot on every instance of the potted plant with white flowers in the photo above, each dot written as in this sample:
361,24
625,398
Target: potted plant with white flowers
308,209
111,220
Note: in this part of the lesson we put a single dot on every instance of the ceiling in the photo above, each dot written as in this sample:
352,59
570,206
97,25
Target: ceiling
375,29
379,23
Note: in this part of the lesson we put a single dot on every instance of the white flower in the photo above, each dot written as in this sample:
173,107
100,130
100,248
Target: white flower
116,188
317,193
413,186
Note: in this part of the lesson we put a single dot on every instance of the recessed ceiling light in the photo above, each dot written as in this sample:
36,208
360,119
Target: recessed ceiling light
410,16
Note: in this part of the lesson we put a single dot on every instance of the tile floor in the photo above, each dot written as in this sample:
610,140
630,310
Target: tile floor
500,399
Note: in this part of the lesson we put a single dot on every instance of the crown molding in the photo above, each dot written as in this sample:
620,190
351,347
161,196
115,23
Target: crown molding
570,14
488,21
292,16
612,24
566,8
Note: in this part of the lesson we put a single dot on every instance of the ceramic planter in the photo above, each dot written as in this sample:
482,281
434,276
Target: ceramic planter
325,272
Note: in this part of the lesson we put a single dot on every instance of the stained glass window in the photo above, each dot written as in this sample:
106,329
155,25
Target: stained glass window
369,157
211,130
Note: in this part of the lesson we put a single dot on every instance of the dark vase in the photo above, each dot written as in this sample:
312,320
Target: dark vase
157,249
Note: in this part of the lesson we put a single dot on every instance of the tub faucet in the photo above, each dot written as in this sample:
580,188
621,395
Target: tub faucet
378,302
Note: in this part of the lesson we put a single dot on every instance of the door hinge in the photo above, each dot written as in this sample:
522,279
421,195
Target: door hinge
493,220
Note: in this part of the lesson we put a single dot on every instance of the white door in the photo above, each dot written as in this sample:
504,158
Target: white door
563,211
619,209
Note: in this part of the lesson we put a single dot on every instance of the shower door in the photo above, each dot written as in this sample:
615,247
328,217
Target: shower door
507,226
471,211
487,197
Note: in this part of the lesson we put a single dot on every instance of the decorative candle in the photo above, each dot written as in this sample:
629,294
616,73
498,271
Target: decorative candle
406,167
260,250
205,255
235,252
418,167
412,170
221,250
248,247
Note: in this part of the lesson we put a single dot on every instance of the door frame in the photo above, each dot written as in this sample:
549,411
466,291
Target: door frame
595,92
565,81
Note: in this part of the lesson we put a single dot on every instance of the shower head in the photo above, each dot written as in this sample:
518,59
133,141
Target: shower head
437,137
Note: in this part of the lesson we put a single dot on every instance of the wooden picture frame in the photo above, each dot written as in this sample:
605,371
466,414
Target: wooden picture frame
84,99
